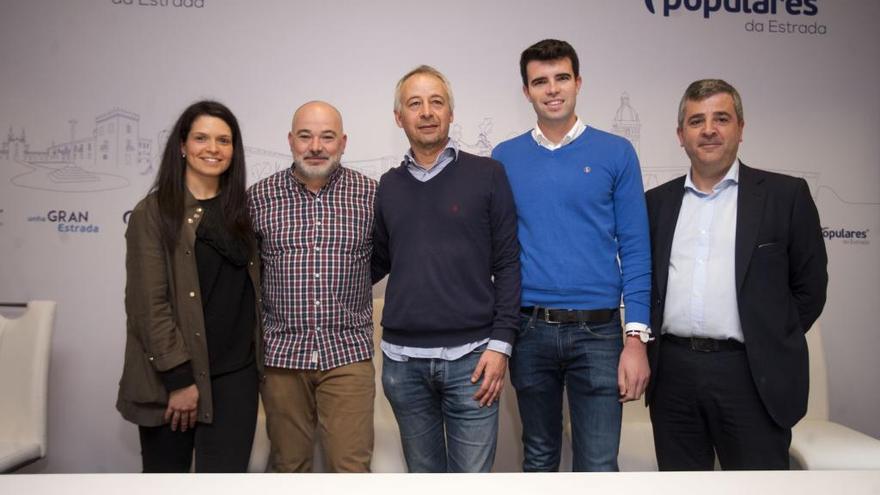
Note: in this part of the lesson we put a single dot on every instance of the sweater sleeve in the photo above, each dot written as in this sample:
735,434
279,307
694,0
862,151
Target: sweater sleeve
634,248
505,258
380,262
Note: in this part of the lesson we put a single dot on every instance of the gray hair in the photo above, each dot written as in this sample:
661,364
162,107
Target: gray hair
704,88
423,69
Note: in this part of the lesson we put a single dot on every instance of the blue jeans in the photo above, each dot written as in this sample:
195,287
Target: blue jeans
546,359
429,396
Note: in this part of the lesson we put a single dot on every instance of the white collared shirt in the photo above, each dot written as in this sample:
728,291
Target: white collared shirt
575,132
701,289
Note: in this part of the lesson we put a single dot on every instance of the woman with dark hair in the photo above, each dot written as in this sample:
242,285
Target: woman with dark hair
190,378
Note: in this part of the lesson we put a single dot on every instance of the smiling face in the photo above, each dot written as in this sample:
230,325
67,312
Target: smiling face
316,141
208,150
424,113
710,135
552,89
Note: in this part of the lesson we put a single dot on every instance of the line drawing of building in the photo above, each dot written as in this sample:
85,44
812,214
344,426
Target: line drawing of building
483,146
373,167
626,122
98,162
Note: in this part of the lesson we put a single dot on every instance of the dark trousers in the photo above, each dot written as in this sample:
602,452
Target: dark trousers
706,403
223,446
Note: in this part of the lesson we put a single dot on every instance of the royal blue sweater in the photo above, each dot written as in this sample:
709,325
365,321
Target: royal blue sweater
450,247
580,207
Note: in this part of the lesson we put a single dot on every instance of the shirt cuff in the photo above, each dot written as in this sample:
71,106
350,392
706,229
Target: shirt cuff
180,376
639,327
500,346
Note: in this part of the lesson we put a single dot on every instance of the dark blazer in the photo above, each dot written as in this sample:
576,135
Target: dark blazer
781,279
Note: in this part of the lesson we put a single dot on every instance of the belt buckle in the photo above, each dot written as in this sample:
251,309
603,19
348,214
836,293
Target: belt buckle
703,345
547,317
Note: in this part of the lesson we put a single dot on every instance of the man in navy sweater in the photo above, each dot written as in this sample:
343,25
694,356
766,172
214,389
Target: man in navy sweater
584,235
445,230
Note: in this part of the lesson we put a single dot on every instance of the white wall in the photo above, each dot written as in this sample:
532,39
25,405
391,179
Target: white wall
810,100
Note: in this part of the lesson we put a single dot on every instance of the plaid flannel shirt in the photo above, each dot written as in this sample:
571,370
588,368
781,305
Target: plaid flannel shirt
315,251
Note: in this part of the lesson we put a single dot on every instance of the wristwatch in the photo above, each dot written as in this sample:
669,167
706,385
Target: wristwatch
644,336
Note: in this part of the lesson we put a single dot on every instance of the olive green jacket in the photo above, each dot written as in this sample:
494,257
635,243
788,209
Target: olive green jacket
165,320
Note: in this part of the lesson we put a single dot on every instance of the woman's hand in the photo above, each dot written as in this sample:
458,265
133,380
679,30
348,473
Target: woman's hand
182,408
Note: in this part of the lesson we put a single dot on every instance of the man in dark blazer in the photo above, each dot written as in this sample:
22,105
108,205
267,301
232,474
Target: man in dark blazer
739,276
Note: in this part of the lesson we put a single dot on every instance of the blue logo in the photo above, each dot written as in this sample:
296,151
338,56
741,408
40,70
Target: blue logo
68,221
709,7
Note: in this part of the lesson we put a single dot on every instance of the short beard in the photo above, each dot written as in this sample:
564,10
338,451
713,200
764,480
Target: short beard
314,173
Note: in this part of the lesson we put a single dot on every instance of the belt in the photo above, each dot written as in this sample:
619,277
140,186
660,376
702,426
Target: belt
701,344
547,315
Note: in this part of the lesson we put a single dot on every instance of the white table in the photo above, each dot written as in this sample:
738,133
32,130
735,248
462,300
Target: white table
703,483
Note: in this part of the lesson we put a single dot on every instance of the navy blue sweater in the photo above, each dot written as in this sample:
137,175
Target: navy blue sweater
451,249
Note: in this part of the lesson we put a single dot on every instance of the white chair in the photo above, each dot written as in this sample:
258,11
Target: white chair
260,449
636,439
816,442
24,377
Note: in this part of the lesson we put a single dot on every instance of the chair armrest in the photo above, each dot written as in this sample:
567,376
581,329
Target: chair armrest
822,445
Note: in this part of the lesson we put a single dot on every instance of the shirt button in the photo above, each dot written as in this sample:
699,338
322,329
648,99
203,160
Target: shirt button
317,302
189,220
188,252
318,329
317,248
192,294
202,374
317,275
318,222
199,209
196,215
198,334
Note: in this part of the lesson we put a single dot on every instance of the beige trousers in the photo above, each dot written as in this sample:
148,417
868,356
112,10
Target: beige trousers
336,402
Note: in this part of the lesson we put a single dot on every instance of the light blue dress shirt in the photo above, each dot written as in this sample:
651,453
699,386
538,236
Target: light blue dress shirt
701,289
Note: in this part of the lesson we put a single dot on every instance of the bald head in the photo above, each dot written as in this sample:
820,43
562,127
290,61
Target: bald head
318,110
317,142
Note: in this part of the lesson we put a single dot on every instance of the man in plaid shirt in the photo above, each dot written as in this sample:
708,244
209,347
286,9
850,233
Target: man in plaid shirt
314,224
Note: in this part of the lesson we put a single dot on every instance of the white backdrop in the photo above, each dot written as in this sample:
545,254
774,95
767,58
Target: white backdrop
90,87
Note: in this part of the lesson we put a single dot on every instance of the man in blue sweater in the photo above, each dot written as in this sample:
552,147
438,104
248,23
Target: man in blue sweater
583,229
446,231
